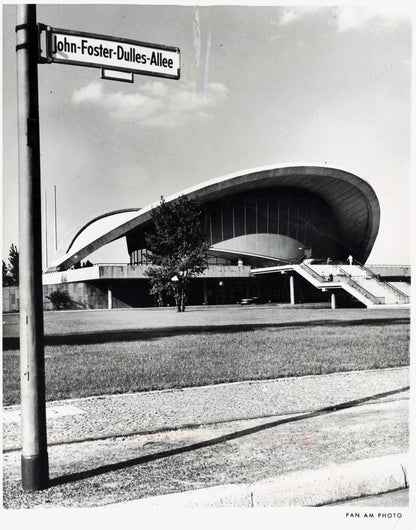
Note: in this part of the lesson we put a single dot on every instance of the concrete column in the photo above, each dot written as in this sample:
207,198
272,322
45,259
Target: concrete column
110,297
292,289
204,284
333,301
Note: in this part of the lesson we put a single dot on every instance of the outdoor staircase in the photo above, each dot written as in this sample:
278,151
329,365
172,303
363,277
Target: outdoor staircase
355,279
363,284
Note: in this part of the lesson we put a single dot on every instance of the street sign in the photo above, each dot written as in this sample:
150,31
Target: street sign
116,75
111,53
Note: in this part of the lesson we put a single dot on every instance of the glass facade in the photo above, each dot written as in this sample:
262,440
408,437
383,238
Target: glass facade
140,257
293,213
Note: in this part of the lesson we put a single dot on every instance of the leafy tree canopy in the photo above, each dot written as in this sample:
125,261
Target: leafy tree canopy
178,246
6,277
11,270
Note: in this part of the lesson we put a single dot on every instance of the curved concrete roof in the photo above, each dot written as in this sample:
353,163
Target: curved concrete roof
85,232
352,200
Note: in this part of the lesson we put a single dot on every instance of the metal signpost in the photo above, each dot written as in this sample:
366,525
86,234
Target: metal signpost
118,59
32,372
110,53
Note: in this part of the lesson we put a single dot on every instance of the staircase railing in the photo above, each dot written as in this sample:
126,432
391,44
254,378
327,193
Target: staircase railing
403,296
400,294
313,273
346,277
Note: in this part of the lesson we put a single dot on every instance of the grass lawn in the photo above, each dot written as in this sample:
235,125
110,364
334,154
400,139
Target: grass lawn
83,358
194,359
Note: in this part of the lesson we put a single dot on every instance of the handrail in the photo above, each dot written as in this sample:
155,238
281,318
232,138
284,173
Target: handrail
400,294
368,271
357,286
388,265
313,273
344,278
361,289
54,270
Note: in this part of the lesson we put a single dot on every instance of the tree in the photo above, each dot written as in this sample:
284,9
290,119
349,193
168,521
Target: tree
6,276
178,248
14,264
61,300
11,271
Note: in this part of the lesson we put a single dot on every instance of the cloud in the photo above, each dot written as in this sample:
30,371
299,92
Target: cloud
92,92
362,17
154,104
345,18
290,15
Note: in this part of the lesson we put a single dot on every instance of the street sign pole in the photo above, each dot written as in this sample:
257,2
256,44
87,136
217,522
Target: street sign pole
34,459
123,57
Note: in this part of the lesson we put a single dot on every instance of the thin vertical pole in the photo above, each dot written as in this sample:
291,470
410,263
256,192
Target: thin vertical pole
55,218
46,232
34,459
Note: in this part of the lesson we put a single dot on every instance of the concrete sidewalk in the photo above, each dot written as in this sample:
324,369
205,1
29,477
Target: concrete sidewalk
296,441
150,412
316,487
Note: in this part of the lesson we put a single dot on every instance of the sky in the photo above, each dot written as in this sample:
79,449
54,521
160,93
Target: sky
258,86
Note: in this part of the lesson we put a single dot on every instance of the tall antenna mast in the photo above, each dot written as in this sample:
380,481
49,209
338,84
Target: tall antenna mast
46,232
56,218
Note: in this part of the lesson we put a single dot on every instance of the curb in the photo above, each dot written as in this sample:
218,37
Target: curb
306,488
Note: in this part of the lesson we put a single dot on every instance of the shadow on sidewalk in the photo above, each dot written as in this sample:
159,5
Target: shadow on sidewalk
218,440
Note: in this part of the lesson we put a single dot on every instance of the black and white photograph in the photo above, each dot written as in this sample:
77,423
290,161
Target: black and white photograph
206,249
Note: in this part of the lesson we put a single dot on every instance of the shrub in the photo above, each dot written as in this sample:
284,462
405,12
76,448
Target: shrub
61,300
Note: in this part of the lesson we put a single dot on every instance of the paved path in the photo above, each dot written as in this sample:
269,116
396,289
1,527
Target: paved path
132,446
147,412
